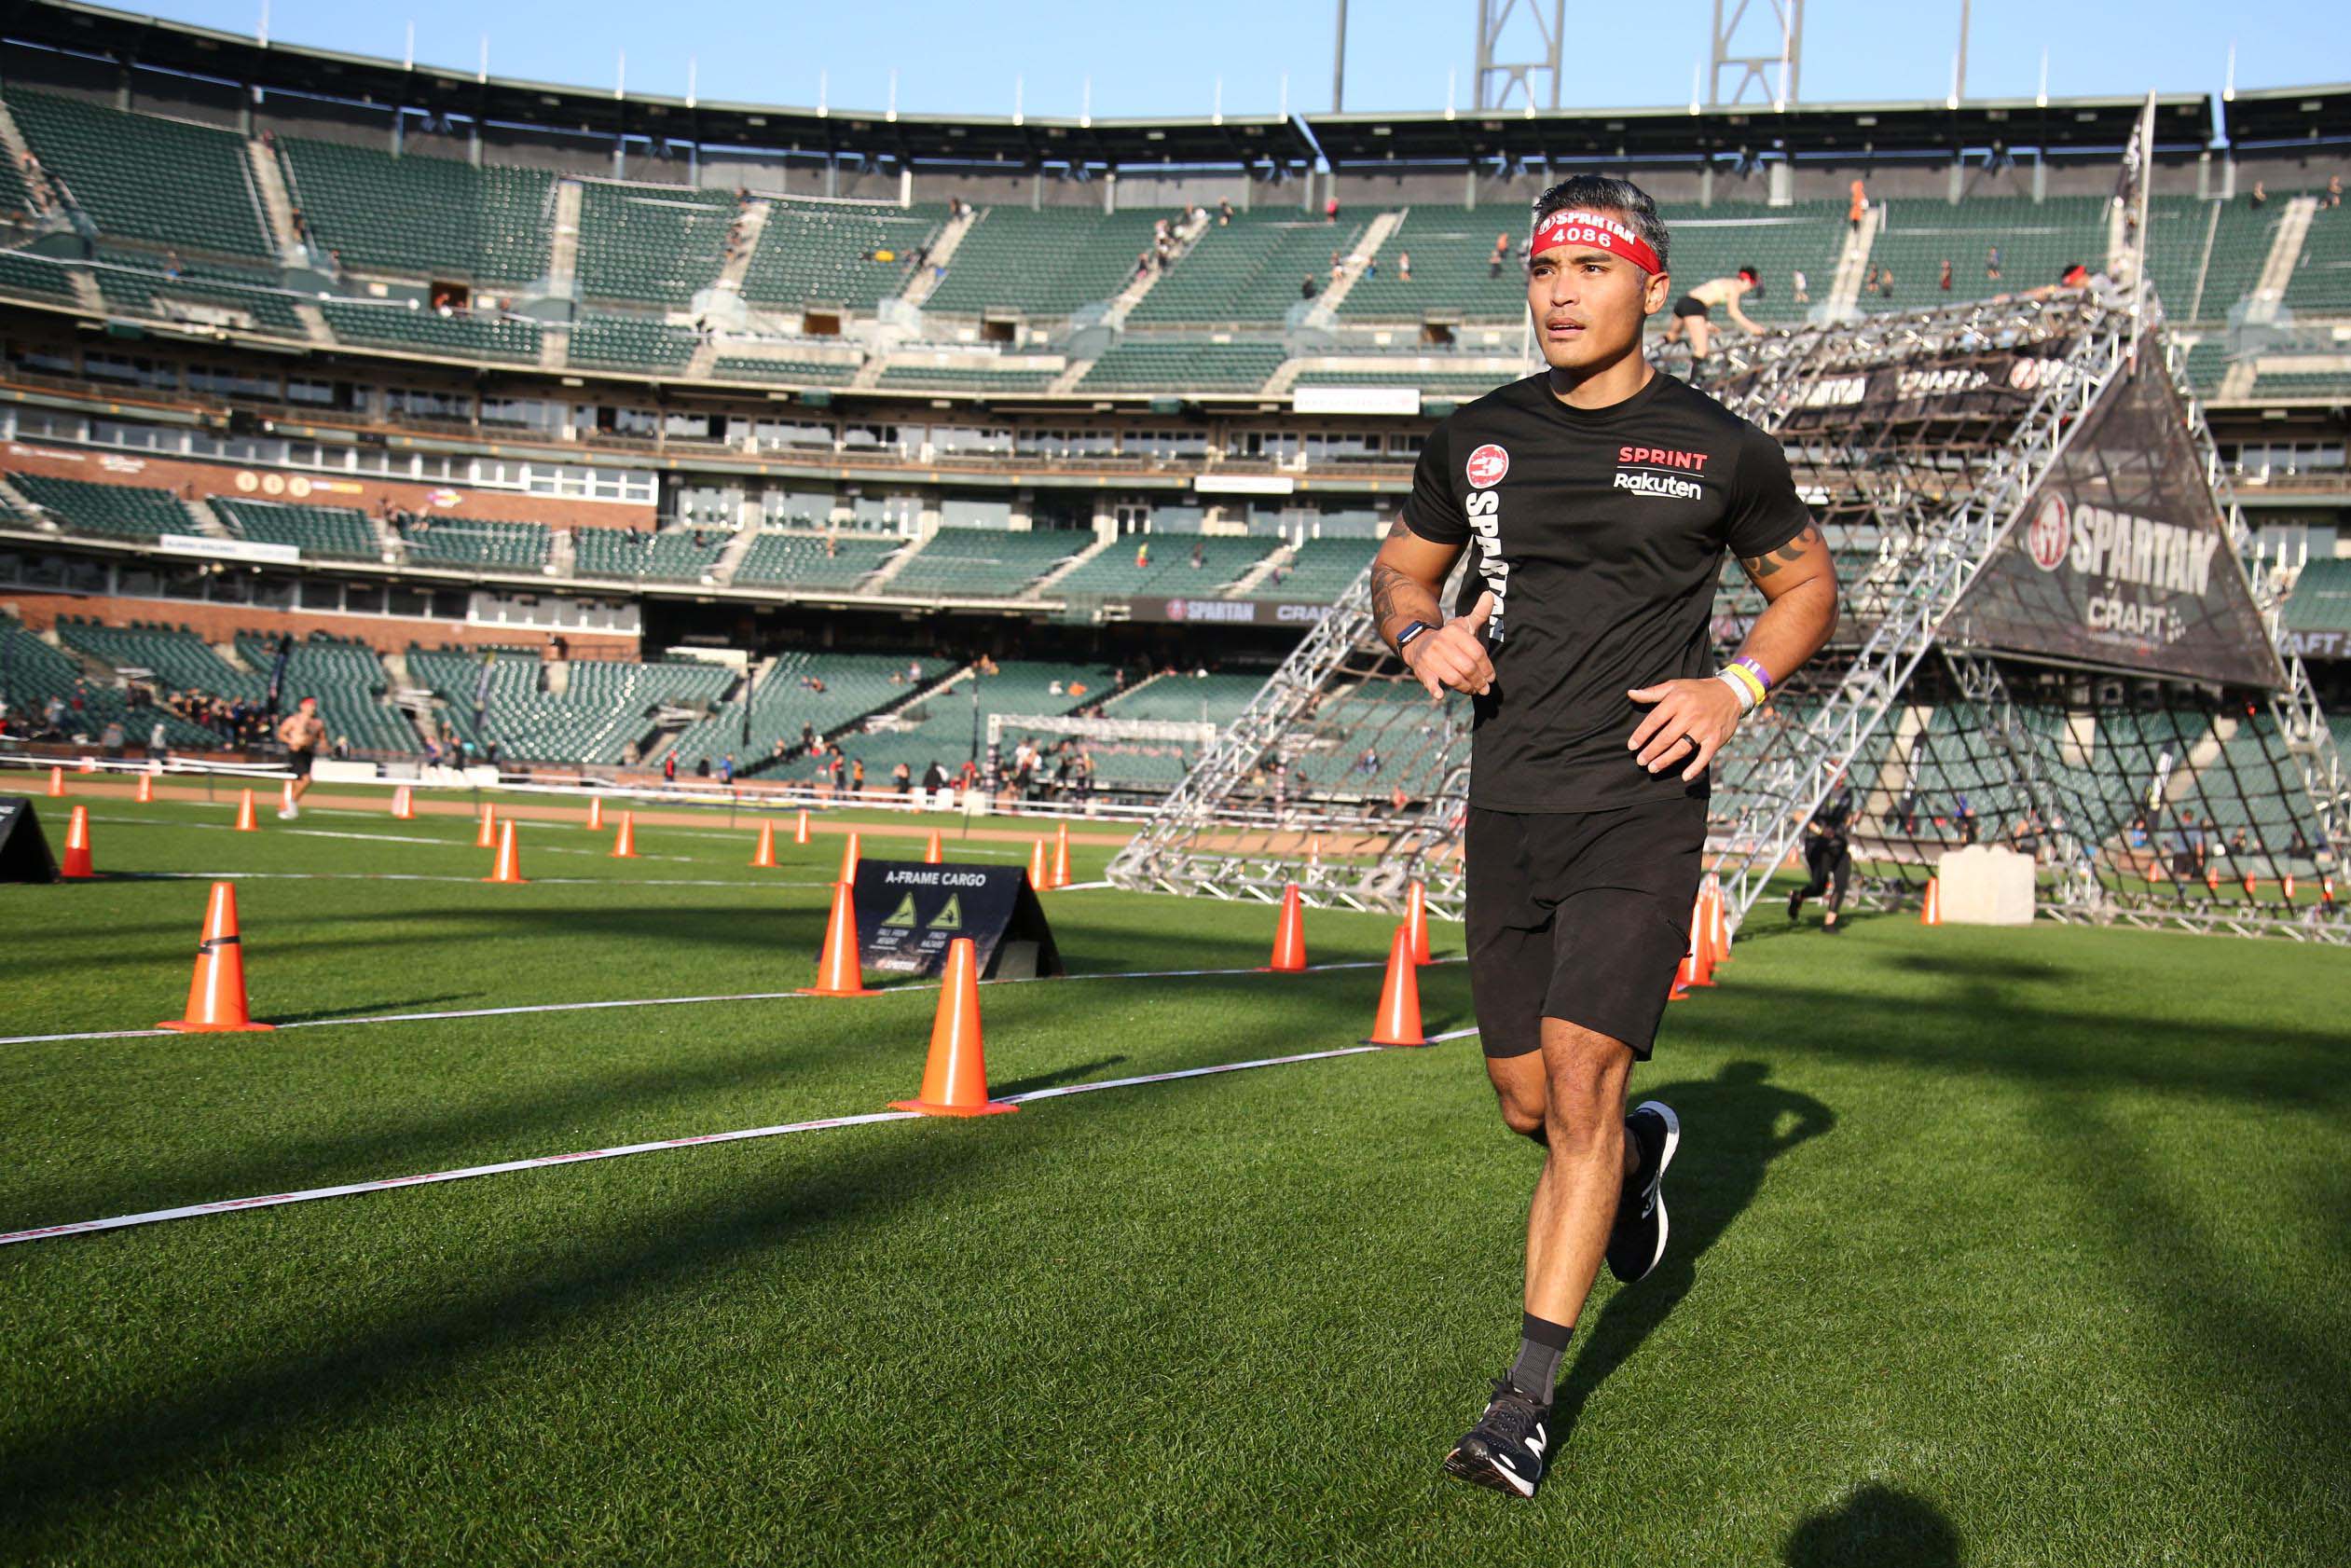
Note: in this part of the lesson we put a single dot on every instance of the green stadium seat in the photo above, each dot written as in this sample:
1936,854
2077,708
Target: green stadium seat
805,373
854,684
133,283
982,563
632,343
675,556
1321,570
38,671
420,217
143,177
31,277
180,660
1168,569
1248,271
333,531
2038,241
2320,282
652,244
607,705
418,330
1136,365
350,683
829,253
782,558
966,380
2321,600
113,511
1046,263
477,542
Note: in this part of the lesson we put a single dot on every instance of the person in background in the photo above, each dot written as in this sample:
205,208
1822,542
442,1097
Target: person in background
1801,287
1944,284
301,733
1404,265
727,768
901,778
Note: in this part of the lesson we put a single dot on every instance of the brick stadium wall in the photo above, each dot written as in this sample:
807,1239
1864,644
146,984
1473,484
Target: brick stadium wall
220,623
192,479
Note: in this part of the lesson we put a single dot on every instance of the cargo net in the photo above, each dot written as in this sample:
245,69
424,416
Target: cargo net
2137,799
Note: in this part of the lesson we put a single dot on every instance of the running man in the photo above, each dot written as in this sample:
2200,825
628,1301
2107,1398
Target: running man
1694,313
1601,496
1828,856
301,732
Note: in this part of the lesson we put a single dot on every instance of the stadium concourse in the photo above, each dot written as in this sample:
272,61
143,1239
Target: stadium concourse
742,553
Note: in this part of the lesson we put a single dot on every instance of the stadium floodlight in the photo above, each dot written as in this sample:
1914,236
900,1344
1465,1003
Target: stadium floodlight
2055,637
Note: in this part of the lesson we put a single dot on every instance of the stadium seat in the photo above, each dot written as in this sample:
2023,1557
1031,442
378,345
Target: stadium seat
1136,365
1044,263
1247,271
831,254
315,531
2038,241
115,511
38,671
607,342
854,684
180,660
674,555
420,216
780,558
607,705
418,330
984,563
652,244
350,683
802,373
144,177
1319,573
474,542
966,380
1169,568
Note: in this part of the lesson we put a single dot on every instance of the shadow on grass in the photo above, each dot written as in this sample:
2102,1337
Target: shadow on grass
1874,1528
1058,1076
1730,1126
351,1010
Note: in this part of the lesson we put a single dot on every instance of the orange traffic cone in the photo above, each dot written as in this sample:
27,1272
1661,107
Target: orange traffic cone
1061,855
800,832
86,766
285,796
509,867
1039,878
1289,934
487,837
1701,949
146,789
595,814
1717,920
838,973
57,783
2286,886
2252,890
217,994
77,867
1683,978
2212,883
625,841
404,806
1416,921
247,821
1931,912
955,1078
1400,1020
848,861
764,857
934,853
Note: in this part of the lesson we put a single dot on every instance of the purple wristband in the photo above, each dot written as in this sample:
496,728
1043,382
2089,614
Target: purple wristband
1755,670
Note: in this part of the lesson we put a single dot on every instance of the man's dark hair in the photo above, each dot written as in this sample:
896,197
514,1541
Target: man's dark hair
1608,194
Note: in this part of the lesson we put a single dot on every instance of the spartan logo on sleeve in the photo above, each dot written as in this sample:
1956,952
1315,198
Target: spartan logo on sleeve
1485,467
1660,471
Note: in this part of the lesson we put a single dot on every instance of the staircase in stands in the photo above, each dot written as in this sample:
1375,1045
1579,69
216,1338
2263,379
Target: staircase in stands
941,252
1845,289
277,207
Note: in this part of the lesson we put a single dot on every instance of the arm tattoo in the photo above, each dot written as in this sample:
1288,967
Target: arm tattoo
1384,581
1760,566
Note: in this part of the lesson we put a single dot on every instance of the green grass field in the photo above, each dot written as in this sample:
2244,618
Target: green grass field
1988,1246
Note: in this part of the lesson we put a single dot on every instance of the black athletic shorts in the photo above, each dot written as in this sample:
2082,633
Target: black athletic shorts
1691,305
300,763
1579,915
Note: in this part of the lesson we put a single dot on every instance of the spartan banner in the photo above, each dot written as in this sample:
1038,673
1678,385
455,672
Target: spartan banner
2120,557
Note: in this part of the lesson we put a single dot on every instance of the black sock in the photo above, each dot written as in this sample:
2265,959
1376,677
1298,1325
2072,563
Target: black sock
1542,1344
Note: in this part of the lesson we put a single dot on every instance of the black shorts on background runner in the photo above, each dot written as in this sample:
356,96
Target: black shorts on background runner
299,761
1579,915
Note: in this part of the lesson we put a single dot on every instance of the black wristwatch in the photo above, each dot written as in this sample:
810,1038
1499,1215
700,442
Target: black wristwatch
1408,633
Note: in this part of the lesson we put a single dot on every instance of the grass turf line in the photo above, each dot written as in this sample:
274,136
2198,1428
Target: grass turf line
2023,1245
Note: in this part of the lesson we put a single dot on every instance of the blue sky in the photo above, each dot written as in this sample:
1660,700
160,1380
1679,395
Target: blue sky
1164,58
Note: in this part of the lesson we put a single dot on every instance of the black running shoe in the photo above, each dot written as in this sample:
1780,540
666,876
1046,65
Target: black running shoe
1504,1450
1796,903
1638,1241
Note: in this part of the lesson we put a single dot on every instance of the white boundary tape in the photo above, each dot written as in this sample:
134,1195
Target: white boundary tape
677,1002
278,1199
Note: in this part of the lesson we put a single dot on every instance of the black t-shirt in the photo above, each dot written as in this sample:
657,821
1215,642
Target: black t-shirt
1600,533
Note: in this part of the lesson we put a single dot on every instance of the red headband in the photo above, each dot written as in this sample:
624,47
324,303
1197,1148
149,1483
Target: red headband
1596,229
